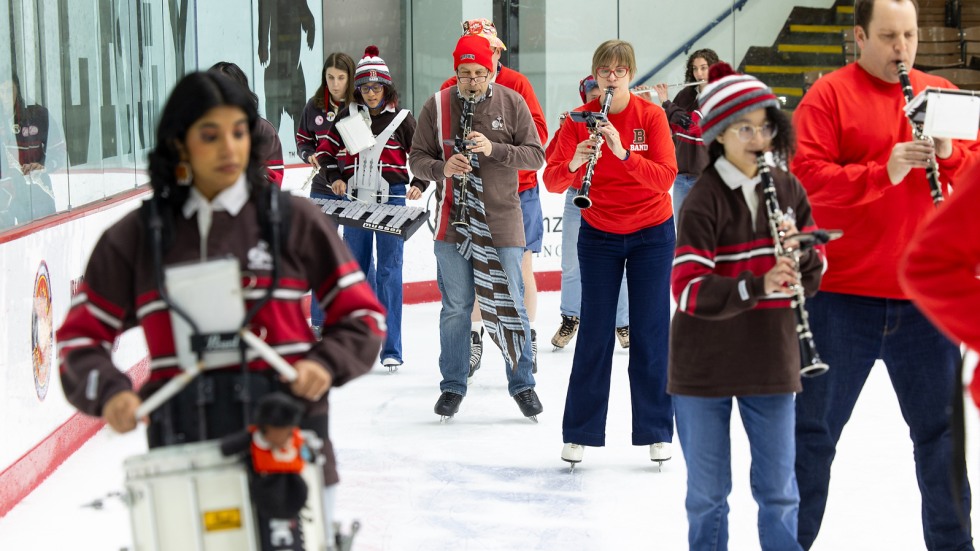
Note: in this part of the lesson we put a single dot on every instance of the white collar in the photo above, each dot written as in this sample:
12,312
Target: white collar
732,176
230,200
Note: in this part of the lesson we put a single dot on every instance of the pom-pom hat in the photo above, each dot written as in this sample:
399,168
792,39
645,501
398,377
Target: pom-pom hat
371,68
727,96
473,49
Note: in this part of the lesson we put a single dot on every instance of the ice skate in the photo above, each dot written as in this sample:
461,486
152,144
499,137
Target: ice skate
660,452
476,352
569,326
572,453
623,336
392,364
534,351
529,403
447,405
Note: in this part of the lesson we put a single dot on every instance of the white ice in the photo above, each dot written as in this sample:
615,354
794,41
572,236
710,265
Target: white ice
492,480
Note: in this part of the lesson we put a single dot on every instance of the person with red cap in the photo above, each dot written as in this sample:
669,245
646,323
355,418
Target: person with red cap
629,227
733,336
527,189
479,235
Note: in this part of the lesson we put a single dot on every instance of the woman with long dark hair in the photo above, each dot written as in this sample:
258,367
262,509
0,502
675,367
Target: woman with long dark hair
335,93
211,199
683,114
376,99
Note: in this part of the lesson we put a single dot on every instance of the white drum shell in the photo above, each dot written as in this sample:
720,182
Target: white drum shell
171,490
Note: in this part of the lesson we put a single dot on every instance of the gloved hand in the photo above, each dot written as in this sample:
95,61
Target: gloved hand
682,119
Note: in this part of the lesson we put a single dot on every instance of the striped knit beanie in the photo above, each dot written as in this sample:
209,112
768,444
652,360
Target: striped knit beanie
371,68
727,96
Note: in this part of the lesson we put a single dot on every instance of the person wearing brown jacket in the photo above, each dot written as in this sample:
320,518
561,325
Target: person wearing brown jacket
479,237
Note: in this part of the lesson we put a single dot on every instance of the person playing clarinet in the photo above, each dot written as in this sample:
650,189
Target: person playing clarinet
629,225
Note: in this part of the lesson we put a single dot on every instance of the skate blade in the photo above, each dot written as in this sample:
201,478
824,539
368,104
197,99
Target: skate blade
533,418
445,419
571,465
660,464
392,369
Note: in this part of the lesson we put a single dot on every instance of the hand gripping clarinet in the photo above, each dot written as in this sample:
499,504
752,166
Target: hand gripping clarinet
460,145
932,171
581,200
811,365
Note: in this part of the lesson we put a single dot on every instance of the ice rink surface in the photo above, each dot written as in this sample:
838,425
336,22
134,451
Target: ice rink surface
492,480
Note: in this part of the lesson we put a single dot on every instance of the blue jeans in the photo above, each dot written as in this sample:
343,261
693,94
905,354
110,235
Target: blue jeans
647,255
682,186
455,277
704,429
851,332
387,281
571,278
316,314
533,219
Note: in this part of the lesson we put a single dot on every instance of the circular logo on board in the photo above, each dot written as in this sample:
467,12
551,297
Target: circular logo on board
42,331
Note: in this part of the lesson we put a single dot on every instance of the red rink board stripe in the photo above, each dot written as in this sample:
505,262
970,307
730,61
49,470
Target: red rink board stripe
28,472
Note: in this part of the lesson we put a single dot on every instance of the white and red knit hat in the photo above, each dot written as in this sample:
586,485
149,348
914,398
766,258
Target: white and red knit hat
727,96
371,68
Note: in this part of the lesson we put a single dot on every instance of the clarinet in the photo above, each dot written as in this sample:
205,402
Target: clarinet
811,365
932,171
581,200
460,145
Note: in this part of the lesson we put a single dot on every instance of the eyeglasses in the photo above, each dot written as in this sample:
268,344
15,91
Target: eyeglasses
747,131
373,88
478,79
620,71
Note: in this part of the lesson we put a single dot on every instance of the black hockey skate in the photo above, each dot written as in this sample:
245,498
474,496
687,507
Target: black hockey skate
529,403
447,405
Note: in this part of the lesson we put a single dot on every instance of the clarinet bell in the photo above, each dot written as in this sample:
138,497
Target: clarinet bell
811,365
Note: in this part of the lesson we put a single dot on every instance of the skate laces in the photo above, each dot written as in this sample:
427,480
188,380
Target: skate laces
568,324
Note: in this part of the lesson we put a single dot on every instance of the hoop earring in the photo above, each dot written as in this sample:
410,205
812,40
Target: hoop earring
183,173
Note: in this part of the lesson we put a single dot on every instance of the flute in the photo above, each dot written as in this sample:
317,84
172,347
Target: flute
650,90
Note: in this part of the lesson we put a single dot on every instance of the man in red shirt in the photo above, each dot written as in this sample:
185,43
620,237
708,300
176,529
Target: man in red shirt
863,171
527,188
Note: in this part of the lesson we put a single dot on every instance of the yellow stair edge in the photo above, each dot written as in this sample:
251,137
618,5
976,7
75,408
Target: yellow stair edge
810,48
845,9
784,69
787,91
819,28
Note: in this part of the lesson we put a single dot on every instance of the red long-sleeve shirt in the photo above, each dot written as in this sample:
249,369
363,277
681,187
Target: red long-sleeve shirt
629,195
847,125
939,271
519,83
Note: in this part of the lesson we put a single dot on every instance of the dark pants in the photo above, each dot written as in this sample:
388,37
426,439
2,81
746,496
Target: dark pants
851,333
646,255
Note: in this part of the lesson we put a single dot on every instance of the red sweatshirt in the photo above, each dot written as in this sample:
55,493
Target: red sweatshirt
939,271
519,83
629,195
846,127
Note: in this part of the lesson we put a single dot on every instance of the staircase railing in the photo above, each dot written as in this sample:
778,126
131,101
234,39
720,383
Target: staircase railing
686,47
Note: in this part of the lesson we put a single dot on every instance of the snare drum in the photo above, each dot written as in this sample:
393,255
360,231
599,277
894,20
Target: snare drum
191,497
